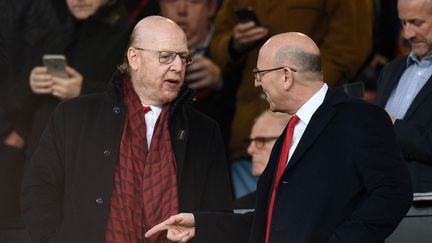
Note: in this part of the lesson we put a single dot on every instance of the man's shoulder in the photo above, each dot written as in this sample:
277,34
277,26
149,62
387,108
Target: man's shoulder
356,107
396,63
196,116
84,102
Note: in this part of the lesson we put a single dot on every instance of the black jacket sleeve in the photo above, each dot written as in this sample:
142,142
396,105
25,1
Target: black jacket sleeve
222,227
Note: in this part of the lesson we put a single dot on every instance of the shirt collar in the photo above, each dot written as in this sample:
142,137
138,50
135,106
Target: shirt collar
308,109
156,110
413,58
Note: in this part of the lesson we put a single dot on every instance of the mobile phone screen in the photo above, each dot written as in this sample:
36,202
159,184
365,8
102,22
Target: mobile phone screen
56,65
246,14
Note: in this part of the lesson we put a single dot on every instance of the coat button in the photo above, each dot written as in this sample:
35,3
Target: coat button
107,153
99,201
116,110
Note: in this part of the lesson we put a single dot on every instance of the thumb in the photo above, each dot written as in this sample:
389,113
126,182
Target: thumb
71,71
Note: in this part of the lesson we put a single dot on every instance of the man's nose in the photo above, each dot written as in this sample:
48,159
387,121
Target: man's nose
177,64
257,83
182,7
251,148
408,30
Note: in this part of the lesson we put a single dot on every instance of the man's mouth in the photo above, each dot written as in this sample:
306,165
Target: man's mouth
81,7
172,83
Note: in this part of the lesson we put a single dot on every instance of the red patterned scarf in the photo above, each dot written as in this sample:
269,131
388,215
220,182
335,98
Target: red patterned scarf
145,182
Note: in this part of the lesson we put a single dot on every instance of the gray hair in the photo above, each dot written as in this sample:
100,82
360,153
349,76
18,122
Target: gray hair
304,61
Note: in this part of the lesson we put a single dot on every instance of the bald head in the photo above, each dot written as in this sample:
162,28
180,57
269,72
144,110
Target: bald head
277,120
149,31
157,33
292,61
294,49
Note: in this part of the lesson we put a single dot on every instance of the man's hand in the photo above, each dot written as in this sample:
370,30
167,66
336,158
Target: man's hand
67,88
180,228
247,34
14,140
41,81
203,73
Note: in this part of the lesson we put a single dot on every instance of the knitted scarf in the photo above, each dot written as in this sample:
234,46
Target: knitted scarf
145,182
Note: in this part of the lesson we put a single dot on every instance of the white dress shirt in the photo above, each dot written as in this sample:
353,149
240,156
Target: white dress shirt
150,119
305,114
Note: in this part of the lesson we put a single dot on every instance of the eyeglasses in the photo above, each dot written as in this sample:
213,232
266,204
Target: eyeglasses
167,57
259,73
260,141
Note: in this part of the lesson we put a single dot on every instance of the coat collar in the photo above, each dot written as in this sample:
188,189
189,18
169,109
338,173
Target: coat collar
320,119
178,121
391,80
317,124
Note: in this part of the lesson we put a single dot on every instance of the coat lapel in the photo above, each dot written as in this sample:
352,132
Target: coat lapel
419,99
179,131
391,81
317,124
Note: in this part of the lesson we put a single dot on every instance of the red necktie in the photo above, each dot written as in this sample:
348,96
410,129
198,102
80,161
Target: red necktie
146,109
280,169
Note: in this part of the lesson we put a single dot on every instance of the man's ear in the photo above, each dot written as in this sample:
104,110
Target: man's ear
288,78
133,59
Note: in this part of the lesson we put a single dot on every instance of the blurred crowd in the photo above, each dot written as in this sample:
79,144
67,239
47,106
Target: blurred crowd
356,40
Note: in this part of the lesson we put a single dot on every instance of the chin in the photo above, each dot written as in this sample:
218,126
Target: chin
169,98
82,16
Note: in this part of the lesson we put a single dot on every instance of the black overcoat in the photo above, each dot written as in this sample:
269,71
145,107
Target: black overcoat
67,188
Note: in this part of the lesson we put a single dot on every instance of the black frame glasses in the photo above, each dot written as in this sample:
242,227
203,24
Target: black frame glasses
168,57
259,73
260,141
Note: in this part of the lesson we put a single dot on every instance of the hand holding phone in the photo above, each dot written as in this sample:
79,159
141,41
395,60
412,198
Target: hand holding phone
41,81
56,65
248,32
68,88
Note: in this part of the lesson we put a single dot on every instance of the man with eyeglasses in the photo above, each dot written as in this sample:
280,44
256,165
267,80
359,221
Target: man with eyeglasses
267,128
110,166
335,175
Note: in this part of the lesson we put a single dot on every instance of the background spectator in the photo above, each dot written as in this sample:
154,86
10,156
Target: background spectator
266,129
405,91
93,35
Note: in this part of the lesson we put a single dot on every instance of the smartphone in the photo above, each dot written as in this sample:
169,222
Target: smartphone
56,65
246,14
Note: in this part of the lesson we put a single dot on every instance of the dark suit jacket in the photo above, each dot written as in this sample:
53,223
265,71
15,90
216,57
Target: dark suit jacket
345,182
414,131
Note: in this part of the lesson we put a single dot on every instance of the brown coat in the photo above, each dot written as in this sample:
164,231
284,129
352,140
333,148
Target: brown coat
342,29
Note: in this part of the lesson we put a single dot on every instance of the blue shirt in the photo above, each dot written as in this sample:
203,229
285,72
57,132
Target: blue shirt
413,79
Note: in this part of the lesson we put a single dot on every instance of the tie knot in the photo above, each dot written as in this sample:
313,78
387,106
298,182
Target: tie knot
146,109
293,121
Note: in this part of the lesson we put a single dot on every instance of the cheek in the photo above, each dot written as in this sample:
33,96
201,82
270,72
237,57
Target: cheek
169,12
